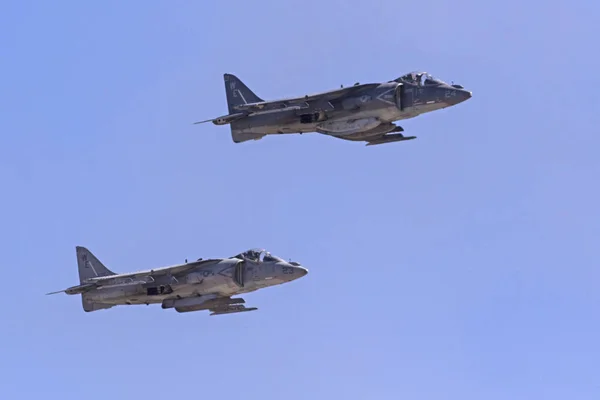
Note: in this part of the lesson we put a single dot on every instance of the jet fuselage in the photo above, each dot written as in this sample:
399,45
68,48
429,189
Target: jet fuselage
227,277
199,285
387,103
361,112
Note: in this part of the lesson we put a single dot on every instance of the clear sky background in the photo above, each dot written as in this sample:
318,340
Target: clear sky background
461,265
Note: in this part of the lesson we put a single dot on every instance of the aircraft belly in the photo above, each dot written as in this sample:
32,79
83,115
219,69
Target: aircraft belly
296,128
347,127
371,133
258,130
266,123
387,114
282,122
390,114
193,284
414,111
197,284
116,295
431,107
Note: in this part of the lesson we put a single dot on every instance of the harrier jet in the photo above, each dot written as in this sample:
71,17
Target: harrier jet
363,112
199,285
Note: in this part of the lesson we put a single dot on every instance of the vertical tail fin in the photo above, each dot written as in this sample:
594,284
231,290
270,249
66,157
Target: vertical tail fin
238,93
89,266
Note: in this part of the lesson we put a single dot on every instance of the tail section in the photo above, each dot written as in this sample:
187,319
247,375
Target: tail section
238,93
89,266
91,306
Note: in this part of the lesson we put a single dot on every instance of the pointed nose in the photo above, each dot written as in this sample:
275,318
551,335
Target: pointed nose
461,95
301,271
292,271
464,96
298,269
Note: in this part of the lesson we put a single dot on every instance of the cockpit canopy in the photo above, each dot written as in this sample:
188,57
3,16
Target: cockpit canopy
258,256
420,79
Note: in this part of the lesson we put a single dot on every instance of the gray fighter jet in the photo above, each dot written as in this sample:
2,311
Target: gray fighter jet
363,112
199,285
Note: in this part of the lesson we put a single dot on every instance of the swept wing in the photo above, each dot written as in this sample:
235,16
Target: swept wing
317,97
174,270
214,303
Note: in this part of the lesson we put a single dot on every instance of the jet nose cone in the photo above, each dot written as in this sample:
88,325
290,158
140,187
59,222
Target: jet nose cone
463,95
458,97
298,270
292,271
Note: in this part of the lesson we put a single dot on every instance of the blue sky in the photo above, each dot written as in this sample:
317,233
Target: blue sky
459,265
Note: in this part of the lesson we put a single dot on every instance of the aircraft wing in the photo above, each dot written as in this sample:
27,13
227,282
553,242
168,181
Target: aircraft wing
174,270
231,309
389,139
217,306
318,97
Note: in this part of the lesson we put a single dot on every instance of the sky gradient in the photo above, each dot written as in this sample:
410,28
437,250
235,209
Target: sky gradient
460,265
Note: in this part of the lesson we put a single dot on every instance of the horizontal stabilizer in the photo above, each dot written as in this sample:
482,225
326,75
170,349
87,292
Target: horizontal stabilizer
390,139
